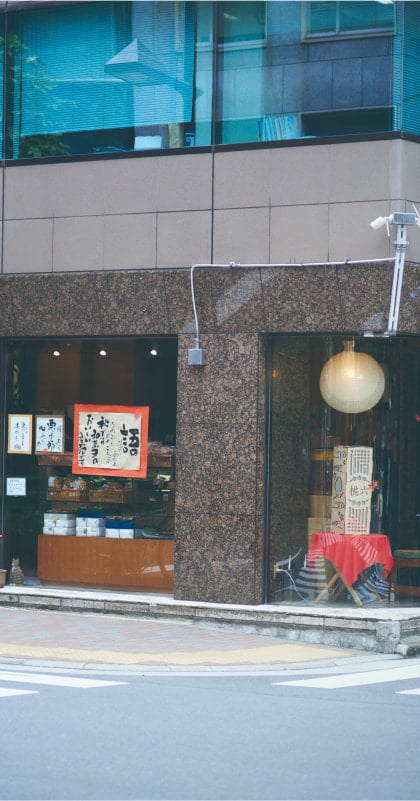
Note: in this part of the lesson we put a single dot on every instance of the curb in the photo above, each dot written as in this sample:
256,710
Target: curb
383,629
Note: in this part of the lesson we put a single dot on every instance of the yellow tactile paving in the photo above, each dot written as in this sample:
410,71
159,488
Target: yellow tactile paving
269,654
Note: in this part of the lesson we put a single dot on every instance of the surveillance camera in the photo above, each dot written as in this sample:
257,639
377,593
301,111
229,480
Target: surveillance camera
378,223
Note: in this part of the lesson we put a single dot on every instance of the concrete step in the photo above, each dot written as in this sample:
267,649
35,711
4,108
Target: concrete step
409,646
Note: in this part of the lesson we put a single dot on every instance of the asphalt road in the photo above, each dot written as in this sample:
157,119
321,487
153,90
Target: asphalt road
299,733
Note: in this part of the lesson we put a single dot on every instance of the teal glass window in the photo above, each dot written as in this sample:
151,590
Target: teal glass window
284,86
92,77
241,22
406,69
99,77
340,18
1,81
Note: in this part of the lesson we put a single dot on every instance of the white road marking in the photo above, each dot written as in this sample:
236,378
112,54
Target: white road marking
6,692
358,679
56,681
409,692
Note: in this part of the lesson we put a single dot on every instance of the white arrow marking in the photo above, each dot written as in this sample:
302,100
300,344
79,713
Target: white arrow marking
4,692
56,681
355,679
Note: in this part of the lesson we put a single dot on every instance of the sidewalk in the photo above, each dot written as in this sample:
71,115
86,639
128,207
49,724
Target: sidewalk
152,629
71,639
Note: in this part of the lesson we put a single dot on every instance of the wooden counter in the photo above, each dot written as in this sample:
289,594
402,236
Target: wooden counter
106,562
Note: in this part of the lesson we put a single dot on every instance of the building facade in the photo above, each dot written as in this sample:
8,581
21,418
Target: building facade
187,188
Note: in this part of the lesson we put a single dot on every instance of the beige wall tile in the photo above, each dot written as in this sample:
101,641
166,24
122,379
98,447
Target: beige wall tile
299,175
183,238
241,235
350,234
78,189
299,234
78,243
241,179
184,182
28,191
409,173
130,185
360,171
129,241
27,246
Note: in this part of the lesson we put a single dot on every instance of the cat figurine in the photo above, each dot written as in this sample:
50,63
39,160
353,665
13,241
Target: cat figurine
16,572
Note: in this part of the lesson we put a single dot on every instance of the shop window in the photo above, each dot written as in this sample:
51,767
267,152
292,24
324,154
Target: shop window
64,519
344,470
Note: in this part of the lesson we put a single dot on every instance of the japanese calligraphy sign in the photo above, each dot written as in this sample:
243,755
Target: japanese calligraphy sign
351,495
49,433
110,440
20,433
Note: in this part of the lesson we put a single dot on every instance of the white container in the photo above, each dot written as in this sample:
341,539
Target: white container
126,534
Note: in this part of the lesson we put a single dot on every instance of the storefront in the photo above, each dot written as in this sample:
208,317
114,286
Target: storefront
255,430
75,512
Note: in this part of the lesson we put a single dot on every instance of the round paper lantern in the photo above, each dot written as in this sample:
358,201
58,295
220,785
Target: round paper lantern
351,381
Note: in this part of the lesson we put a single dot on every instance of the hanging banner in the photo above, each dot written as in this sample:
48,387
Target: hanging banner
110,440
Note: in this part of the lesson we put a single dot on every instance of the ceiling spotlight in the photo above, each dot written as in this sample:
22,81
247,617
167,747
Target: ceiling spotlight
103,351
154,351
56,351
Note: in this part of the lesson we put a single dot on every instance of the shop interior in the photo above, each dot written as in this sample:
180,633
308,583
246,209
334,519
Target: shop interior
93,530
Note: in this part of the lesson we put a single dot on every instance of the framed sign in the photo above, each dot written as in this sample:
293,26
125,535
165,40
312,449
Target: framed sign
110,440
19,433
49,433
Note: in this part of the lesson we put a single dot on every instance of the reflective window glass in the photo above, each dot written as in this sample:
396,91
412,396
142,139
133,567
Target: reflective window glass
103,76
285,87
328,18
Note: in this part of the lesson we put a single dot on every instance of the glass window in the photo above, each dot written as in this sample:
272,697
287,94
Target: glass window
333,19
103,76
241,22
406,70
53,515
343,463
99,77
283,87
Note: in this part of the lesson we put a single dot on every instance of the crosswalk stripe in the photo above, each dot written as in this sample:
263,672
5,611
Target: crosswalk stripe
357,679
6,692
56,681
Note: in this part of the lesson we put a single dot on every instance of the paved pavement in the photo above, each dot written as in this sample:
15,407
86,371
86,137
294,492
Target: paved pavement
92,640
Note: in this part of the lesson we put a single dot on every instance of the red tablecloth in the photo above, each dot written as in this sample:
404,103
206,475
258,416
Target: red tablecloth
351,553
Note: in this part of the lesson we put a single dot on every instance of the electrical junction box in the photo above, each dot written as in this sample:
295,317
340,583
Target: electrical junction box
196,357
